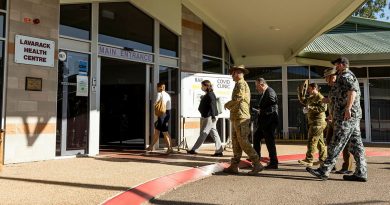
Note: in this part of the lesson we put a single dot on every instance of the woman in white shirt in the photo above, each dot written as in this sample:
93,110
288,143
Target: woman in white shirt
161,125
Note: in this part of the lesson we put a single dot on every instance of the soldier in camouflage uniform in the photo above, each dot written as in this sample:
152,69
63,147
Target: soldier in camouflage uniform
240,118
315,109
346,115
330,75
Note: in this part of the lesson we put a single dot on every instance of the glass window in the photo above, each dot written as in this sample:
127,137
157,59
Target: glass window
297,72
268,73
3,4
379,72
169,42
317,72
169,76
277,86
212,65
1,77
2,25
124,25
359,72
75,20
211,43
297,121
227,53
380,110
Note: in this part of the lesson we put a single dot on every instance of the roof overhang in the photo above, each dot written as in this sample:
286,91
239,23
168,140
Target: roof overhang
271,32
265,32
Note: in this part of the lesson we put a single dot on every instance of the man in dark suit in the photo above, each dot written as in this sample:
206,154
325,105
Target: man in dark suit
268,120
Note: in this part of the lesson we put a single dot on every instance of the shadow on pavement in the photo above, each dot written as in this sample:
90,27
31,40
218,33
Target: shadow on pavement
159,201
176,159
70,184
279,176
362,202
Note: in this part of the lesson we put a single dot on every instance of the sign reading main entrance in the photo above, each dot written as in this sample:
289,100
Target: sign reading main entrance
34,51
125,54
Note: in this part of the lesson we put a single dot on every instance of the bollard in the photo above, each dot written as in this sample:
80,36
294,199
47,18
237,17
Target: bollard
1,149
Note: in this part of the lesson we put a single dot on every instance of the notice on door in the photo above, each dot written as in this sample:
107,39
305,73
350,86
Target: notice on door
34,51
82,86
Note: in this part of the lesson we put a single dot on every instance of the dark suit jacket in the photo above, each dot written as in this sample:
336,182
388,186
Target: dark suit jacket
208,105
268,104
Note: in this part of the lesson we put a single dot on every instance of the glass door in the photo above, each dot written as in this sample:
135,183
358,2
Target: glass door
72,103
379,109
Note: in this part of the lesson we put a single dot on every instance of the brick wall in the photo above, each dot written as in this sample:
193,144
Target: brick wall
191,42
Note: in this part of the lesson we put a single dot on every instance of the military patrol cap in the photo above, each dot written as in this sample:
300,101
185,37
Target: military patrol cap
240,67
330,71
341,60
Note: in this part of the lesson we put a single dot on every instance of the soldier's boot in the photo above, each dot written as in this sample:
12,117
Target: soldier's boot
305,162
257,167
319,162
232,169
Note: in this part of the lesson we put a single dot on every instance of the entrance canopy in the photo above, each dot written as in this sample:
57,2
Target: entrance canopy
257,32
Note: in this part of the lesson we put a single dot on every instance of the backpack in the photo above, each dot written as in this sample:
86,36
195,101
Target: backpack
219,106
160,108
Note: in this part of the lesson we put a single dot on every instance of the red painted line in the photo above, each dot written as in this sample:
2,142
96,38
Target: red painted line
153,188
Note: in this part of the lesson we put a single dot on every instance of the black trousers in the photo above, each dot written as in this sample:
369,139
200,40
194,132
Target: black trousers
266,130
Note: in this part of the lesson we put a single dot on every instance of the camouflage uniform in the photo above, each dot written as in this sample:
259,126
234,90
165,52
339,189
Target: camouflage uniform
347,158
317,124
240,117
346,130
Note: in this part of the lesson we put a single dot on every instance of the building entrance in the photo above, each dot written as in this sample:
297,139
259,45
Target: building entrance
123,111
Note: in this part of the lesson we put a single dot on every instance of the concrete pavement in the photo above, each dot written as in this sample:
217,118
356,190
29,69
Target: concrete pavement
93,180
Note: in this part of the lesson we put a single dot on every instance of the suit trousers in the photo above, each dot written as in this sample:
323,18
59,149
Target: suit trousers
266,131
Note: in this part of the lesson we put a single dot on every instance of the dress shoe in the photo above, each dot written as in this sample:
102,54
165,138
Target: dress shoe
191,152
317,173
271,166
343,171
354,178
217,155
305,162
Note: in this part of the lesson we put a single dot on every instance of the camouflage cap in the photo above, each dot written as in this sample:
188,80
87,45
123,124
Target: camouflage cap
342,60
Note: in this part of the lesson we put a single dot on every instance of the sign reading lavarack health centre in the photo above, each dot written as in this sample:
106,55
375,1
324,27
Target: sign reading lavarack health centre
34,51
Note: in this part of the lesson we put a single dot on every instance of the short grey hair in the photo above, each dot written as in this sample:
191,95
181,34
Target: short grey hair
261,81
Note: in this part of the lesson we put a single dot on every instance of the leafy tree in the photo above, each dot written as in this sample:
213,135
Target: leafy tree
374,9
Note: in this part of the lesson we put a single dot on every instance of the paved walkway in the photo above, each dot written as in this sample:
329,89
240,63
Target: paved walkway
94,180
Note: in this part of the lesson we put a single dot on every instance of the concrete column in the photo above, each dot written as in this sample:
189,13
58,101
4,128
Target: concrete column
30,116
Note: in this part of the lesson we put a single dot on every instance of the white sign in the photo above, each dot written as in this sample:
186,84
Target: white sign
191,92
125,54
62,56
82,86
34,51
